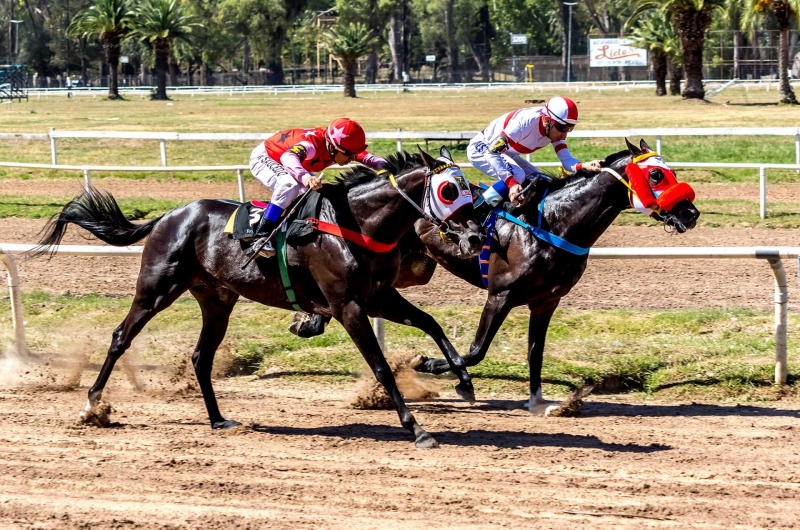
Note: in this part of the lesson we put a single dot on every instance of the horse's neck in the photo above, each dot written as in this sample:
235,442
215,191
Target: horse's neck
581,213
381,212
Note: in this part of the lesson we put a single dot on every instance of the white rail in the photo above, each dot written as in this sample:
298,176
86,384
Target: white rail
240,171
773,255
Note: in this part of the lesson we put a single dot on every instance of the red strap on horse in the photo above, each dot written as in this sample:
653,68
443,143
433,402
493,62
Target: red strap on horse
354,237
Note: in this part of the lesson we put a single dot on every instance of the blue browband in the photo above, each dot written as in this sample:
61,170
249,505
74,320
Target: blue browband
544,235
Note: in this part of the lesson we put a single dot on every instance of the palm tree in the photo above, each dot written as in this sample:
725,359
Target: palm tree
783,10
691,19
110,21
162,23
347,44
651,34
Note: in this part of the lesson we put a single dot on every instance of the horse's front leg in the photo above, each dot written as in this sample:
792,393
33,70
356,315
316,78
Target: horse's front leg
392,306
537,331
355,321
494,313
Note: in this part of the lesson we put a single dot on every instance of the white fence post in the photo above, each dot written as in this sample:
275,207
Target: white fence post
399,140
87,180
781,302
53,158
797,150
762,184
162,143
17,319
658,145
240,178
379,326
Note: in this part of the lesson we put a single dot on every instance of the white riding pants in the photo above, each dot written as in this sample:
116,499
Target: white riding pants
273,175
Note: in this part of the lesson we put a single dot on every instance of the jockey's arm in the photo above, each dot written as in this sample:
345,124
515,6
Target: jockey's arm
371,161
526,166
569,162
292,160
497,147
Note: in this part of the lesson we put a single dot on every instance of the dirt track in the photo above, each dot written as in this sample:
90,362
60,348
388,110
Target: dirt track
314,463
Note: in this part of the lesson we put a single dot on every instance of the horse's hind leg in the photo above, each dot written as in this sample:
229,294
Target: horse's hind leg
147,303
394,307
216,306
355,320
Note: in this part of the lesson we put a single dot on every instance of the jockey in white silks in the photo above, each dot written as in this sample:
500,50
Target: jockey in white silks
497,150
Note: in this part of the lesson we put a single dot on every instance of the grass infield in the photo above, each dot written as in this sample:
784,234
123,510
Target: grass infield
714,354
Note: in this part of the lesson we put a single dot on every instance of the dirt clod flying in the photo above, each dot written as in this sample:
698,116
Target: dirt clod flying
370,394
97,415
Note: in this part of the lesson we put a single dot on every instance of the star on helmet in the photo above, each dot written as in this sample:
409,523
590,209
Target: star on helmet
338,134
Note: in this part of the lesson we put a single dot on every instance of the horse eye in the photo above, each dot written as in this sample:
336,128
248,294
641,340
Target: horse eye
656,176
450,192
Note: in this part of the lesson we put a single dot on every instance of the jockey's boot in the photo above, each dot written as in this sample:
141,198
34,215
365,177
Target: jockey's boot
265,228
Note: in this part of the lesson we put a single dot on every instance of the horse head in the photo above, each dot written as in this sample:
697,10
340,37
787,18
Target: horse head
447,200
654,189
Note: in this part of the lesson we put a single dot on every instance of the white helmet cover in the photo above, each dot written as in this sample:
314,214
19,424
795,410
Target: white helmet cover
562,110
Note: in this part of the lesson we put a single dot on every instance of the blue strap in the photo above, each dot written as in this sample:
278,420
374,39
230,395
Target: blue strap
544,235
486,252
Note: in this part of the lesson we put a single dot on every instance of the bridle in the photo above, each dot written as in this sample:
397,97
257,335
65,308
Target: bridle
427,199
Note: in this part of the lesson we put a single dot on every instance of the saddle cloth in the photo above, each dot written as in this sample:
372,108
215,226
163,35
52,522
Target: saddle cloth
244,220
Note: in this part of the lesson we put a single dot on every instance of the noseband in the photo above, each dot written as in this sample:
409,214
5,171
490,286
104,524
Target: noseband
426,198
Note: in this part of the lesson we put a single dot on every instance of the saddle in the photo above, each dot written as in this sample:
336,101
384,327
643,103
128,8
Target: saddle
243,221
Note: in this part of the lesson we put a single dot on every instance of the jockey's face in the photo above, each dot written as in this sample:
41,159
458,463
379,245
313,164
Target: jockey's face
554,134
342,158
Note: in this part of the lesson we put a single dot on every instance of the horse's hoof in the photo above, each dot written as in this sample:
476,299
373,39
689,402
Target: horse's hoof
426,441
541,407
225,424
466,392
97,414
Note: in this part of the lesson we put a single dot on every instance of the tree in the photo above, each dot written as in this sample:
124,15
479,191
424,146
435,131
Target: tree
347,44
655,33
161,23
783,10
691,19
109,20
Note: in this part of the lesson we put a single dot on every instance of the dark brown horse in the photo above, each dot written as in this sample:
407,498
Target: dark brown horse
187,251
524,270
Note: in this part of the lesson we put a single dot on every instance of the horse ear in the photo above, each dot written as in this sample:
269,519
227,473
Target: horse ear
444,152
428,159
644,146
635,151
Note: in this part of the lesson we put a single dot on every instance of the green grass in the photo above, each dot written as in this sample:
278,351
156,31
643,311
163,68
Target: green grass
715,213
713,354
467,110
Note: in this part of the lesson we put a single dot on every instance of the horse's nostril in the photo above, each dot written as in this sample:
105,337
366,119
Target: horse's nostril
475,240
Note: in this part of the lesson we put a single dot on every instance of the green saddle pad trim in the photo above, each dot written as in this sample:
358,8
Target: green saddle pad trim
280,248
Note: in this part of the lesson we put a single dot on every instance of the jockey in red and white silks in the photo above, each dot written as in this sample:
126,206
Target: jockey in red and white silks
286,161
497,150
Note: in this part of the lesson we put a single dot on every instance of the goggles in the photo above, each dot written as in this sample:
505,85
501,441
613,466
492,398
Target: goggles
564,127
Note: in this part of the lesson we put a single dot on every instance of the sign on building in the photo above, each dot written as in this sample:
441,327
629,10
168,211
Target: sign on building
615,52
519,38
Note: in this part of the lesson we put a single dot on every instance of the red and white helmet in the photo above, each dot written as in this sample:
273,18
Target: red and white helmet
347,135
562,110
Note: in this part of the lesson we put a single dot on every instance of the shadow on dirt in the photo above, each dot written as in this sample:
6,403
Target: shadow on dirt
598,409
474,438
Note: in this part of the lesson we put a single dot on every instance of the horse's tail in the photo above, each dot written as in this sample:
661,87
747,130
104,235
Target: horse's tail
97,212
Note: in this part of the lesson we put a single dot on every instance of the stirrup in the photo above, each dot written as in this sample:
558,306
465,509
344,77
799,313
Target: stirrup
267,251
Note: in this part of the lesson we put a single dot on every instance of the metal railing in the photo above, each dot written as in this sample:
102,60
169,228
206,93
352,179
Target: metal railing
773,255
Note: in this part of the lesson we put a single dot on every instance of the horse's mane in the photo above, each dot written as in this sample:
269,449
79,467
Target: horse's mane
395,164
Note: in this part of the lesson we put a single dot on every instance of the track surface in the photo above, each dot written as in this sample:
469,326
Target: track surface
314,463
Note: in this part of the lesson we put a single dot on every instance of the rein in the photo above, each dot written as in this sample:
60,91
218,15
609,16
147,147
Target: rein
426,197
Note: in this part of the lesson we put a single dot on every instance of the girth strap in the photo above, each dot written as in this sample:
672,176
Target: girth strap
354,237
280,248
